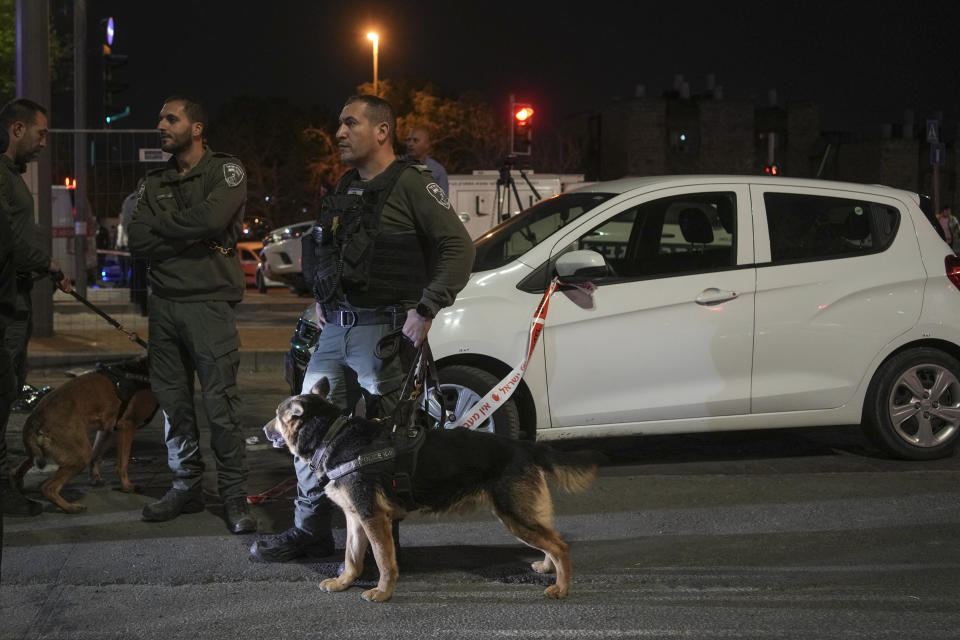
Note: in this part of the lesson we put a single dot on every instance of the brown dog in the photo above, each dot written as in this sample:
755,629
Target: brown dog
115,399
455,470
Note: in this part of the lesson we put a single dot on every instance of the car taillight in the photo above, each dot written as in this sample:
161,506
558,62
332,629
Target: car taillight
952,265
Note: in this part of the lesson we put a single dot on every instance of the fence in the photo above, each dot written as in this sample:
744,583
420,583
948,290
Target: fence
93,172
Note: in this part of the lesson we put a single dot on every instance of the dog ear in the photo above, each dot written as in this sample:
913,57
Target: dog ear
290,410
321,388
360,411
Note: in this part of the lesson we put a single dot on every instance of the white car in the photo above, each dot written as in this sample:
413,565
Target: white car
281,250
721,303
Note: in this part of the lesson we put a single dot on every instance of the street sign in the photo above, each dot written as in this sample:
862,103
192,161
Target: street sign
933,131
938,154
153,155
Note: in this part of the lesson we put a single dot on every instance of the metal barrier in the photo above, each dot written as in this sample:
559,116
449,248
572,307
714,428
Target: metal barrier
93,173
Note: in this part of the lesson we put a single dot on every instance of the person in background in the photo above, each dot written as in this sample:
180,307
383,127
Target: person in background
951,228
418,150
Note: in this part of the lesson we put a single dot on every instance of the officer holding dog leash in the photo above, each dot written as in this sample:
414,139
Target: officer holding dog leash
387,253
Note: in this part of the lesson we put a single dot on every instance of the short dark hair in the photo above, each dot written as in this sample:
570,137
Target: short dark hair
19,110
379,110
193,108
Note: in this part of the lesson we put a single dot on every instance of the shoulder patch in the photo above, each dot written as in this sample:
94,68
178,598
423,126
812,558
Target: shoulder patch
232,173
143,187
434,190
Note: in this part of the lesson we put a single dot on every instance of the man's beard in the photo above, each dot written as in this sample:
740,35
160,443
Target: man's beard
175,146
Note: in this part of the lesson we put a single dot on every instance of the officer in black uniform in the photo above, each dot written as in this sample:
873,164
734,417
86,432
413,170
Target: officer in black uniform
388,252
25,254
187,221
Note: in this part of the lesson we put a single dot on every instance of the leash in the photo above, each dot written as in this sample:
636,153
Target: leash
58,276
421,377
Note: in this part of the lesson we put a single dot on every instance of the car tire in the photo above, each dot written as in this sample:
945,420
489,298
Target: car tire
261,285
462,386
913,405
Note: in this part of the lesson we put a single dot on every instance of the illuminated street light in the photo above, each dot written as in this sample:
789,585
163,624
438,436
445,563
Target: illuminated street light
376,40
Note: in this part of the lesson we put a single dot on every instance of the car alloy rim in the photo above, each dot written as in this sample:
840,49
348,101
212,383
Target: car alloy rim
456,400
924,405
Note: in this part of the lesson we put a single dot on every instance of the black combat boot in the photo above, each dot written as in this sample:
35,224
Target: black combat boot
238,515
291,544
173,504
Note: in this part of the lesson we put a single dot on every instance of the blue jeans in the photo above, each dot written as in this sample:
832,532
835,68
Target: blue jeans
339,349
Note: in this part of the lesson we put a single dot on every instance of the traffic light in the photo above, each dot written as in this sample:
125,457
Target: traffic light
772,169
521,133
112,86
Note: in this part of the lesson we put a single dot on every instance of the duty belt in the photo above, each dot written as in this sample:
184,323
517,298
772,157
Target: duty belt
395,317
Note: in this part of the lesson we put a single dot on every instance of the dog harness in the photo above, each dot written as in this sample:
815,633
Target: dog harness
394,455
126,381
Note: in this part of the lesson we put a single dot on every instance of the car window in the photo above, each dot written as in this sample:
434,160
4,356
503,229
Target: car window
668,236
808,227
522,232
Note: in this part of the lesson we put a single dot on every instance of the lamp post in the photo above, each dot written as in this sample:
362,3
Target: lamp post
376,39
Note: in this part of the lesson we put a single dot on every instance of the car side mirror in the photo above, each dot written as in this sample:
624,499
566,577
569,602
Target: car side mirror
581,266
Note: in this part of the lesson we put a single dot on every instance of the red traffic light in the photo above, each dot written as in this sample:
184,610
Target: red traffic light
772,169
522,113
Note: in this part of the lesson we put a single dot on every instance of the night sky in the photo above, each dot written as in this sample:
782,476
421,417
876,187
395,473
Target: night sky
862,62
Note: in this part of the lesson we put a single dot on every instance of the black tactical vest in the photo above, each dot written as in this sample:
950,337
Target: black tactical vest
348,259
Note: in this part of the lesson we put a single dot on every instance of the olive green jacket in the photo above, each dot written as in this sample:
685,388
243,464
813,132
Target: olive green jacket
188,225
30,252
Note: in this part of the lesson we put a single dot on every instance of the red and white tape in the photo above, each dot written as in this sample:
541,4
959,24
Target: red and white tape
501,392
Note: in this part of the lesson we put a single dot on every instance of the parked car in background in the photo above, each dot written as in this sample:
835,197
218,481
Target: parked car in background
281,248
721,303
250,256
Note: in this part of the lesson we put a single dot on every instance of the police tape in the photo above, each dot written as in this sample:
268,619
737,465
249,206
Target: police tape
501,392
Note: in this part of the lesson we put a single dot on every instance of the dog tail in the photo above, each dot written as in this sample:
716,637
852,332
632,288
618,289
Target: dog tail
34,440
571,470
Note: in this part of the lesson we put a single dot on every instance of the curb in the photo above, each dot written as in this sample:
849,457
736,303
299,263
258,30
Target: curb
250,359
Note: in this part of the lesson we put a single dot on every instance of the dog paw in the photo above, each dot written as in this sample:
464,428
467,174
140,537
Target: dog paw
128,488
542,566
74,508
375,595
96,482
555,591
331,585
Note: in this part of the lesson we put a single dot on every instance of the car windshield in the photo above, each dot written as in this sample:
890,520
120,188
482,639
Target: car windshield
522,232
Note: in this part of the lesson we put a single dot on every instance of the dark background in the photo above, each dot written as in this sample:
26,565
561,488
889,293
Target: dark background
863,63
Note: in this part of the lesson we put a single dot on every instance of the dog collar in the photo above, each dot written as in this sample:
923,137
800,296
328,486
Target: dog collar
317,460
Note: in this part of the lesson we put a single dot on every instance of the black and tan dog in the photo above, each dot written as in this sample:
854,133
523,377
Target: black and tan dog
113,399
456,470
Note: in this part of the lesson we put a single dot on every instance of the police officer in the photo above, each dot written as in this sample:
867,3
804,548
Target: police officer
186,221
388,252
25,123
23,128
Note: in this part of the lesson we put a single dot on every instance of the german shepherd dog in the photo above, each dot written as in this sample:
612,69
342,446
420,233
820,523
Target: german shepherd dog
60,426
456,470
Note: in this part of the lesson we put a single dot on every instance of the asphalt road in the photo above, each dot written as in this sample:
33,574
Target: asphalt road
779,534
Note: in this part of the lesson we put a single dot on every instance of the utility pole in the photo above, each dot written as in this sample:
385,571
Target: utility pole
80,144
33,82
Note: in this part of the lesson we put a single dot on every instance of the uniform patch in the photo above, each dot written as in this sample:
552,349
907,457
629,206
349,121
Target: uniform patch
434,189
143,187
232,173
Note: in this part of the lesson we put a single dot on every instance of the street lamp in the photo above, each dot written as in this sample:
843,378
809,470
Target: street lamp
376,39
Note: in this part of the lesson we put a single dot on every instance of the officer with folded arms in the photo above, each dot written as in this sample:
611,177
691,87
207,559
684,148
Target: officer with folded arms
388,252
187,220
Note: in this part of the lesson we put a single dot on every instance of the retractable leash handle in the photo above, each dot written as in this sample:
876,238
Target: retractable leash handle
58,276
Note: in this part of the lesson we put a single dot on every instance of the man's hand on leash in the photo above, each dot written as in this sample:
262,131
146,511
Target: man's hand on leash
60,280
416,327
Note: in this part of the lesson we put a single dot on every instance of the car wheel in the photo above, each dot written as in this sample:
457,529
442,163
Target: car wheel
261,285
913,405
462,386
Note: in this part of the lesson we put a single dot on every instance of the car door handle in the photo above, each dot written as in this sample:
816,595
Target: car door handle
713,296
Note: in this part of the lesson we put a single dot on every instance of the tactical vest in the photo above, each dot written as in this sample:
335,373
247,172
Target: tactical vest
352,260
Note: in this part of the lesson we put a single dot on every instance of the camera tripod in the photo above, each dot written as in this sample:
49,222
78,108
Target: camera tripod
506,184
